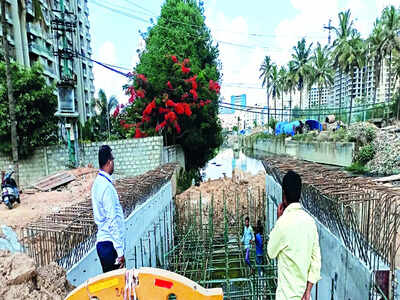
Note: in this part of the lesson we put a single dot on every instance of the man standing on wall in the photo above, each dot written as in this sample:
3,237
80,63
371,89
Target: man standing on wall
294,241
108,215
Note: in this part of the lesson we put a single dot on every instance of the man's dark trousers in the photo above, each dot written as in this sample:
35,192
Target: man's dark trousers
107,255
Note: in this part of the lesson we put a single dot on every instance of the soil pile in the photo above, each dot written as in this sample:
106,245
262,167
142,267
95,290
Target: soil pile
20,279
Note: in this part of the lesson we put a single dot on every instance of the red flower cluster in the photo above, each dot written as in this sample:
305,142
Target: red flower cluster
171,117
140,93
142,77
193,81
139,134
149,108
116,112
194,93
169,85
185,69
214,86
174,59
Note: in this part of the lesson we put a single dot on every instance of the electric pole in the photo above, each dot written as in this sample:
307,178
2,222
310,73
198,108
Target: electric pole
329,28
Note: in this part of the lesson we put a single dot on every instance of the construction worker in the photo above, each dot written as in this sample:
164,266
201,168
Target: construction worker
294,241
259,247
247,240
108,215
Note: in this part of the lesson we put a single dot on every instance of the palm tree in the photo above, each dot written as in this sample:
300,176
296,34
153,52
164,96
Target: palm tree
301,67
282,75
275,86
105,107
290,85
390,41
351,58
266,69
375,55
322,72
343,34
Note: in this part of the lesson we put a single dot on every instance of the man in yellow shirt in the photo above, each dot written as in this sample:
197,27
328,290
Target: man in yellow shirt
294,241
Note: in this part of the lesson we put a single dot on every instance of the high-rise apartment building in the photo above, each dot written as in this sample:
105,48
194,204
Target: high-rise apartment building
41,42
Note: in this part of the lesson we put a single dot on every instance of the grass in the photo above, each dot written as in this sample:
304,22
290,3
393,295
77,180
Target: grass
357,168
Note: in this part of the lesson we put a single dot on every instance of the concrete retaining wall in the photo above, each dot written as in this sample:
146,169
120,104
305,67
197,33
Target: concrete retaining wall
132,157
340,154
149,236
344,276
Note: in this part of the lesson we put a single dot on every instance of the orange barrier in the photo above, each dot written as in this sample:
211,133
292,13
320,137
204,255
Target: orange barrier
142,284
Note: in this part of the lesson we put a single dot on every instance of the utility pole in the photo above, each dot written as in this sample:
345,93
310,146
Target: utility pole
10,91
329,28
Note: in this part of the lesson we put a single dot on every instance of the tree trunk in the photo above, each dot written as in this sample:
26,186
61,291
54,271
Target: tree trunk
351,96
340,96
290,105
282,107
275,108
11,101
268,102
301,97
319,104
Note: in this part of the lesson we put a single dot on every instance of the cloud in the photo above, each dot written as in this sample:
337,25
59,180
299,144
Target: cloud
105,79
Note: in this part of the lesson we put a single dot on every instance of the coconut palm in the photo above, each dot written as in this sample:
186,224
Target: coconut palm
390,41
344,32
301,67
290,85
282,78
265,75
351,58
322,72
275,86
105,106
375,55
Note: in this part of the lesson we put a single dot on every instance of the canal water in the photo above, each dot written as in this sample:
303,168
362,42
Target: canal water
228,160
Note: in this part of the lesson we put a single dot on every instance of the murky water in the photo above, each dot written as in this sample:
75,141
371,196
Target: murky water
228,160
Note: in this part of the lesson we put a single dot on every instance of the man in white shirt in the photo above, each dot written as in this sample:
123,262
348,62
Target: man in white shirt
108,215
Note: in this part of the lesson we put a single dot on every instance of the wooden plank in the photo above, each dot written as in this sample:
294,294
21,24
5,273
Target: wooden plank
50,182
388,178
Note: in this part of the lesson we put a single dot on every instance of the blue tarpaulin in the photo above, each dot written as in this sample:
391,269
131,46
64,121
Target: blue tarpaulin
287,128
279,127
314,125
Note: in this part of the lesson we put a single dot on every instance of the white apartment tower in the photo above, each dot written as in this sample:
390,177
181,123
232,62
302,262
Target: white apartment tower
34,42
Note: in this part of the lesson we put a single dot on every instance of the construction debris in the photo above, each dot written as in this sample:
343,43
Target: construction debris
20,279
51,182
67,234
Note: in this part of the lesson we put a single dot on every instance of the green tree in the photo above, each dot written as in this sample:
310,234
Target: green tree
322,72
105,106
390,41
343,32
375,55
275,87
265,75
181,31
290,85
282,78
36,104
301,65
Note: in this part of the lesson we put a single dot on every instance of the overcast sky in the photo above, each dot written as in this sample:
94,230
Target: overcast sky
261,27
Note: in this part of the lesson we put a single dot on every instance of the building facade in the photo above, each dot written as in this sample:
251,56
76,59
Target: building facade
33,42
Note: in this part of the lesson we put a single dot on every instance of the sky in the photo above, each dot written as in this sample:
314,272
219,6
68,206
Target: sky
260,27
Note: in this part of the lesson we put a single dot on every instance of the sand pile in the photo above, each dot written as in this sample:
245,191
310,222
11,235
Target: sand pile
20,279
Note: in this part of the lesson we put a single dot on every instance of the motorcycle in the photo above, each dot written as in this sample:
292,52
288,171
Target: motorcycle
10,192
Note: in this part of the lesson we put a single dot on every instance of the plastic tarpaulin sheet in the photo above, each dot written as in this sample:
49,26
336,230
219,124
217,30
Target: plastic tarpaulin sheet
9,240
314,125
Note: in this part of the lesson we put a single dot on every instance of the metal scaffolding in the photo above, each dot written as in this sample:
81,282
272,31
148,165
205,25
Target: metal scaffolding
208,246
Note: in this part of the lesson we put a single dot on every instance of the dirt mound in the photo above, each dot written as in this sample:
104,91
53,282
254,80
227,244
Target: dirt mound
20,279
33,206
243,189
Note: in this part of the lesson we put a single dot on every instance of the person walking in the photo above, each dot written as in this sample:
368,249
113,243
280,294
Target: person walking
294,241
259,248
247,240
108,215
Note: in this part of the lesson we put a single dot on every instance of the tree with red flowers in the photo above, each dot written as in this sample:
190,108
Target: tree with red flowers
175,88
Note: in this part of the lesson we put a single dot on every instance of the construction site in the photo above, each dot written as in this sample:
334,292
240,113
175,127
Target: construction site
197,233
